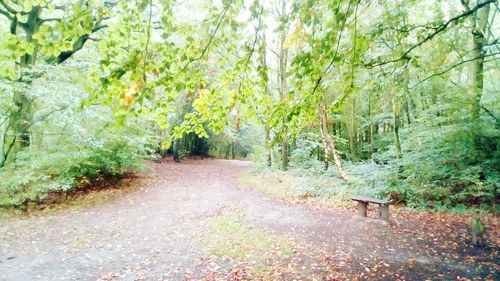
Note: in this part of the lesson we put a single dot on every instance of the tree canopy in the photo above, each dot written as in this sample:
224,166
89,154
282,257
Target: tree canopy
408,85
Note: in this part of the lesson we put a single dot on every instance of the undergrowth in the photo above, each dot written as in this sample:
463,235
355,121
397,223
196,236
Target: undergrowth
67,167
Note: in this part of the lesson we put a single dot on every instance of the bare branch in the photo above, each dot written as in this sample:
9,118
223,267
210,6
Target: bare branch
437,30
318,81
490,113
452,67
256,37
6,13
78,45
8,8
212,36
51,19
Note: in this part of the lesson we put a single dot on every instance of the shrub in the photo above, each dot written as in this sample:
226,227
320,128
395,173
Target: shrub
455,165
69,166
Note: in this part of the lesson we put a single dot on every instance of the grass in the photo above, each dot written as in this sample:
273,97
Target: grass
292,187
277,184
326,190
227,235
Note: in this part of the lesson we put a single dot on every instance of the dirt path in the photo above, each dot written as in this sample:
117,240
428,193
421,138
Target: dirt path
154,234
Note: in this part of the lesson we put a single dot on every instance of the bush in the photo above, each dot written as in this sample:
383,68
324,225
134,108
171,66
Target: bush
70,146
69,166
457,165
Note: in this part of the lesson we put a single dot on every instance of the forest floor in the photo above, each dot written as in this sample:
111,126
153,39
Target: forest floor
196,220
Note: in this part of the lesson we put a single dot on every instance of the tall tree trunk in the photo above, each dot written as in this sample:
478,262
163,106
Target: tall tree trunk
328,141
395,118
233,150
6,146
352,130
371,124
175,149
268,145
479,28
283,87
22,118
406,94
284,154
325,150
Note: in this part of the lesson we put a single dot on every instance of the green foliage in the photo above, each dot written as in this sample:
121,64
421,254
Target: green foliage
396,89
70,148
454,165
307,145
234,144
365,178
64,167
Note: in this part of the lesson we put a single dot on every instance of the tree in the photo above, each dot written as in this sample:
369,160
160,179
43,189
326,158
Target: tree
480,24
39,32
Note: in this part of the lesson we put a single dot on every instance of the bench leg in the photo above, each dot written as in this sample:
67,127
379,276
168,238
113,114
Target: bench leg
362,208
384,212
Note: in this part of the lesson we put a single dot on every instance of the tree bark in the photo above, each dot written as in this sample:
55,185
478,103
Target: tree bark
284,154
395,119
371,125
352,131
325,150
479,27
328,142
6,147
267,141
283,87
175,150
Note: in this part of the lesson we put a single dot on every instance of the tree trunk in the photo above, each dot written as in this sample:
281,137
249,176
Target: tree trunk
284,154
328,141
5,149
175,149
477,75
283,87
21,118
268,146
352,131
395,118
325,156
479,28
233,150
371,124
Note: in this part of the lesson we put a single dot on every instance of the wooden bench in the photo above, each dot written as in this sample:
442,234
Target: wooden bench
383,206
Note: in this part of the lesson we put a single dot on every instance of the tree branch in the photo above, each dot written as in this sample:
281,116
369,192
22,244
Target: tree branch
437,30
78,45
490,113
8,8
50,19
318,81
452,67
6,13
256,37
212,36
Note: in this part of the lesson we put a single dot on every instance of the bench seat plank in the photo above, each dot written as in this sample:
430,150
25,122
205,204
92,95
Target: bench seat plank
371,200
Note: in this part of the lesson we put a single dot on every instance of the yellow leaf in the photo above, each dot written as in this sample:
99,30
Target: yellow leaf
128,100
166,145
203,93
134,88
